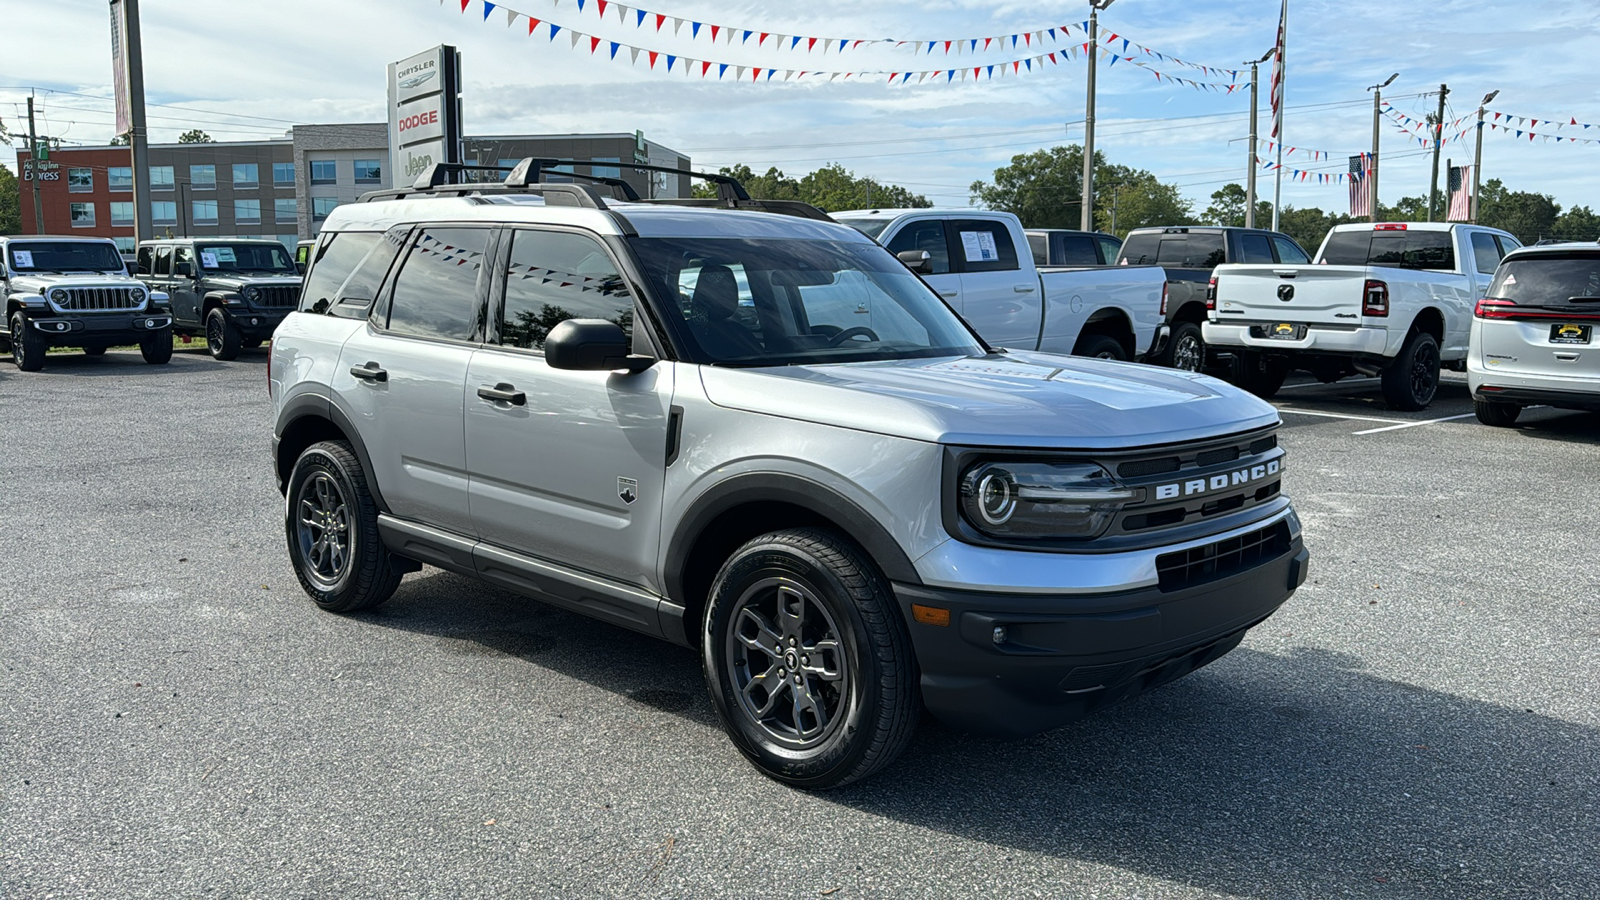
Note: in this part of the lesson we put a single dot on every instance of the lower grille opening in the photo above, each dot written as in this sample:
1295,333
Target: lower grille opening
1210,562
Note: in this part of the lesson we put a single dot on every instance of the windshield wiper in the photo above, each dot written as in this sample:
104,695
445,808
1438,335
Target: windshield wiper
1583,299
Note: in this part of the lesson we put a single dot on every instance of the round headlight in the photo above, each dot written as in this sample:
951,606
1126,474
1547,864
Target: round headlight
1041,499
251,294
137,294
996,497
58,295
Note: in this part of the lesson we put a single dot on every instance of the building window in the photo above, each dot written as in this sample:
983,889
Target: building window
120,178
606,171
203,178
125,245
283,174
284,210
163,212
122,212
247,211
369,171
83,215
245,175
321,206
80,180
553,178
324,171
204,212
160,178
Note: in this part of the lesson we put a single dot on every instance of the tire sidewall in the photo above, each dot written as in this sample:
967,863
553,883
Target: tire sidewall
1397,379
1179,332
312,462
1104,344
822,764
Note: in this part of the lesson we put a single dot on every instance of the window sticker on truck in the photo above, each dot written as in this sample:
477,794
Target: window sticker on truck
979,246
22,259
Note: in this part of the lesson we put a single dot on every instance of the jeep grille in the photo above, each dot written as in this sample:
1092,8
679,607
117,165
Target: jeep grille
279,295
100,299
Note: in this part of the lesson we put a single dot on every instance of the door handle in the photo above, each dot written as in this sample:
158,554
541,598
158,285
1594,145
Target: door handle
1022,288
502,393
948,293
370,372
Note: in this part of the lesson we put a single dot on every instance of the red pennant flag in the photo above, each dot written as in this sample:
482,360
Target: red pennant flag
660,20
1052,56
947,46
975,71
704,67
653,56
754,74
595,42
1015,65
1109,40
1573,122
714,30
761,40
812,43
532,24
602,5
1027,40
464,4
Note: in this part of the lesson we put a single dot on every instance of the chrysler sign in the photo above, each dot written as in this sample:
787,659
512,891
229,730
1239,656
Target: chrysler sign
424,113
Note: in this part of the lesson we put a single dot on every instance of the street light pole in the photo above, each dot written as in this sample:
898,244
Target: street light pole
1086,215
1377,105
1438,139
1250,177
1477,155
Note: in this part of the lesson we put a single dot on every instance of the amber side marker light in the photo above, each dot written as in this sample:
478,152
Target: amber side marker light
930,615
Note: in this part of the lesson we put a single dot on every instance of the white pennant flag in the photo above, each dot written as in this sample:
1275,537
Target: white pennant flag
677,23
511,17
622,12
633,53
923,76
688,65
576,37
738,73
832,76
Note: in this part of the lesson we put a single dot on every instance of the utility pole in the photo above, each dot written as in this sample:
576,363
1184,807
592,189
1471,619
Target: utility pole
1250,177
1377,113
1282,51
1438,135
38,173
125,31
1477,155
1086,215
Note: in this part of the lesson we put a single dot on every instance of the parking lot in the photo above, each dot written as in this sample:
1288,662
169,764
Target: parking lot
177,719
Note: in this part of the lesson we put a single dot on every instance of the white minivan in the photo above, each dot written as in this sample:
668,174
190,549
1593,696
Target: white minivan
1534,334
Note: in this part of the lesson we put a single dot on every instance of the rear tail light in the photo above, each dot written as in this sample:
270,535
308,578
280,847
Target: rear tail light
1211,294
1164,287
1491,308
1375,299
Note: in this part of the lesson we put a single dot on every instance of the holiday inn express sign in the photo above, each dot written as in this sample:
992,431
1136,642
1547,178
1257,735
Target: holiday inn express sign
424,112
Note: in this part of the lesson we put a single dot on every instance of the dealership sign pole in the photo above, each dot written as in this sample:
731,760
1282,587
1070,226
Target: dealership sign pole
424,113
127,63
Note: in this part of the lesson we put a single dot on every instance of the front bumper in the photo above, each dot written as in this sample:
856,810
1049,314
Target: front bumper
256,323
101,328
1359,341
1067,655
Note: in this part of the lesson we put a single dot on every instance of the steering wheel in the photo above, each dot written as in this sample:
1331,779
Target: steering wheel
848,333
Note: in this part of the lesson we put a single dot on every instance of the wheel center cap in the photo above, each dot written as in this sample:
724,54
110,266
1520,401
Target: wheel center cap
791,660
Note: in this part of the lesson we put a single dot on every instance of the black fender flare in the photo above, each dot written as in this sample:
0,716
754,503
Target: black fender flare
316,404
794,490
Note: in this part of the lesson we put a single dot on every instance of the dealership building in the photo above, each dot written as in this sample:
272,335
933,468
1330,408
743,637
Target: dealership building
284,188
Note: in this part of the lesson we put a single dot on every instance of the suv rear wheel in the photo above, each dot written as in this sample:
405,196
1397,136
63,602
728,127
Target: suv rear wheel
807,659
1101,346
1413,377
332,527
222,337
156,347
1188,348
1259,374
27,346
1496,413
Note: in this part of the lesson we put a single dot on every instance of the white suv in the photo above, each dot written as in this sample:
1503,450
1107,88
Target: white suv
1534,333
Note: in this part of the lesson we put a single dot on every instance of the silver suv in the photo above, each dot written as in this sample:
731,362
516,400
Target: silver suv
76,292
1534,334
762,436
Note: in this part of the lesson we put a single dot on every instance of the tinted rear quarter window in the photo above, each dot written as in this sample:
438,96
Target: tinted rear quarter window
1485,252
1412,250
436,292
1140,249
1077,250
336,257
1546,280
1040,245
1255,248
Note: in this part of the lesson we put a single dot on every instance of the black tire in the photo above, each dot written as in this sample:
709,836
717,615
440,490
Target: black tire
1101,346
156,347
249,343
1259,374
1497,413
1187,348
859,719
328,502
222,336
1412,379
27,346
94,351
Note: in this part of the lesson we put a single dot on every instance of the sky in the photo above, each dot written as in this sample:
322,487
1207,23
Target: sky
243,70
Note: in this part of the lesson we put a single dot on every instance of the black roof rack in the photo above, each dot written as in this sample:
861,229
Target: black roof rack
444,179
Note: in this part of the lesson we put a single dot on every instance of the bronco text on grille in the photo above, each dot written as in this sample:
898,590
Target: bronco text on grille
98,299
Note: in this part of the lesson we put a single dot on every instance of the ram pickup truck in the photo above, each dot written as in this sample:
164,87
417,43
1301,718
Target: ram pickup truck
566,396
980,262
1070,247
1189,254
1392,299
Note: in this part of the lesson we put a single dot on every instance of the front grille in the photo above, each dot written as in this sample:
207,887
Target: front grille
1188,485
1210,562
278,295
99,299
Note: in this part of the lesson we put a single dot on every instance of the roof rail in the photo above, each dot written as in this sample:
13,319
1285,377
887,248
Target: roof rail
581,195
779,207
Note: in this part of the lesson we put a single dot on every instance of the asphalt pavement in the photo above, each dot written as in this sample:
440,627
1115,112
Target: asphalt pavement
1421,720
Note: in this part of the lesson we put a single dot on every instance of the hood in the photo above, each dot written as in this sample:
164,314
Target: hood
1018,399
234,282
32,284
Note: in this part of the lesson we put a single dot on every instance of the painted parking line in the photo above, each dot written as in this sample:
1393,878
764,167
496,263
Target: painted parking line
1329,415
1415,424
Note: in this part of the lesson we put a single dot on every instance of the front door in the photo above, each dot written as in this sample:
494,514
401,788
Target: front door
568,466
185,287
999,297
929,235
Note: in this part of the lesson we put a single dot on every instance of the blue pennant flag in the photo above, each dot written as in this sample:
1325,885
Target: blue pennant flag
641,14
580,5
974,43
694,32
553,29
487,8
614,47
746,37
794,42
672,59
1029,64
721,67
843,42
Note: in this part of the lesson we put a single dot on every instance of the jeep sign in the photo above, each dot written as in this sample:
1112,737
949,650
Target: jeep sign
424,113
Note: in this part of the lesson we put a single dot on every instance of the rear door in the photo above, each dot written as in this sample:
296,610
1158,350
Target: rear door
1000,297
1074,250
929,235
1548,320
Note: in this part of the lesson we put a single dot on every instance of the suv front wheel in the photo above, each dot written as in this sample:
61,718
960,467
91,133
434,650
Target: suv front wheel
222,336
27,346
807,659
331,522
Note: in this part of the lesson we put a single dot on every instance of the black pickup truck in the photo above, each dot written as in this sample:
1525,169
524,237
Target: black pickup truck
1189,253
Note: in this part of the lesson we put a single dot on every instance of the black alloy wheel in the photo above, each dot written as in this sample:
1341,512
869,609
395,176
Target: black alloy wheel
222,336
331,522
1188,348
27,346
786,658
1412,378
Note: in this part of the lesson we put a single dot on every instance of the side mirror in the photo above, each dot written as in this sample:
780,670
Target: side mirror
591,345
185,269
918,261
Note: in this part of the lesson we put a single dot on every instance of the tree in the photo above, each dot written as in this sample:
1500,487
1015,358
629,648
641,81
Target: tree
10,202
1527,215
1136,199
1045,190
1227,208
830,188
195,136
1579,223
120,140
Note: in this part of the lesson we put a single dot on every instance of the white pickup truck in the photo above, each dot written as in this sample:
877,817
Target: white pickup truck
1392,299
980,263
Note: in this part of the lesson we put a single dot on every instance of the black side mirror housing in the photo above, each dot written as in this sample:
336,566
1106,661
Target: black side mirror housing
184,269
591,345
918,261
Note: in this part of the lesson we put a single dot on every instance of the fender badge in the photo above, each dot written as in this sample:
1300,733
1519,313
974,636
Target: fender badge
627,489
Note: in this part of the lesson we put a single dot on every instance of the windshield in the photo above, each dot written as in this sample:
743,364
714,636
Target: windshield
252,258
64,256
1548,279
869,227
747,302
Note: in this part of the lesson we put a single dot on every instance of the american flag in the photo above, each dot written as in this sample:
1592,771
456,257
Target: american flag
1277,73
1360,185
1460,194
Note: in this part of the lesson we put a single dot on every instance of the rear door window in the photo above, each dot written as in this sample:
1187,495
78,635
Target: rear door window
1077,250
436,293
1255,248
1288,251
336,257
1040,245
924,235
1192,250
1485,252
1109,248
983,246
147,260
163,260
